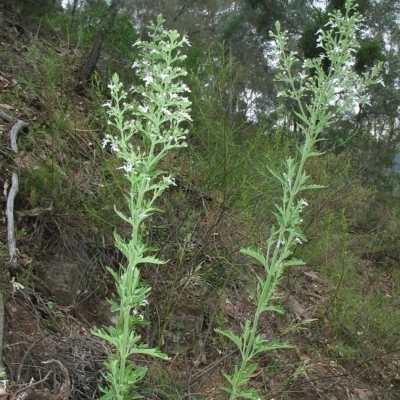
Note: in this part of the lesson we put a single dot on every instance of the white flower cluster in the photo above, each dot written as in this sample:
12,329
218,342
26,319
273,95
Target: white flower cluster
113,142
137,313
340,87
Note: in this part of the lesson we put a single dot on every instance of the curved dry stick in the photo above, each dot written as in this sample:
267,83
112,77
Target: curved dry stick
13,192
12,247
64,391
10,216
61,392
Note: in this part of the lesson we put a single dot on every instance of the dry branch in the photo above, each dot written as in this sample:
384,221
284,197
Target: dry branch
13,192
5,116
10,215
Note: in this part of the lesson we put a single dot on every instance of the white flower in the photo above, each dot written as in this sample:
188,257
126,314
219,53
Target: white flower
185,87
128,167
349,63
331,23
114,147
144,303
303,202
185,115
135,64
302,75
280,243
169,180
144,109
186,41
298,240
16,285
148,79
105,141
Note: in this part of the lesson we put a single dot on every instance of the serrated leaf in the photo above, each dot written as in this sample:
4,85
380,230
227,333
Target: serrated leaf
277,344
276,175
120,214
312,186
316,153
250,370
255,254
277,309
229,379
151,260
293,262
232,336
251,394
302,117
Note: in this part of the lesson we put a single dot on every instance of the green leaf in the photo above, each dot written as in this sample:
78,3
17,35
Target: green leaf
120,214
303,118
232,336
279,177
255,254
111,338
293,262
277,309
151,260
114,305
277,344
312,186
248,394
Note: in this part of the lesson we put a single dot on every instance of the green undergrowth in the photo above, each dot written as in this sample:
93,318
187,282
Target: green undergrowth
223,201
353,233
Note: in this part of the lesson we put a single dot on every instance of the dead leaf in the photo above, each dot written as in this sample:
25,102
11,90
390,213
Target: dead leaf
256,374
7,106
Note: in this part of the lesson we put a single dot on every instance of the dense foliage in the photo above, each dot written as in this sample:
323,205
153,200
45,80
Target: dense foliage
342,305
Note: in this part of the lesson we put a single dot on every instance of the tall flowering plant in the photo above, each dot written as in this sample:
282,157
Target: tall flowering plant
142,132
320,97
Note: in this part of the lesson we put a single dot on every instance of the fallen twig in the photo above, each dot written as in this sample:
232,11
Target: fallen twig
10,215
5,116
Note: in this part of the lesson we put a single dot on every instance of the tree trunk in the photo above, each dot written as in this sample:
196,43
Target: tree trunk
74,6
90,63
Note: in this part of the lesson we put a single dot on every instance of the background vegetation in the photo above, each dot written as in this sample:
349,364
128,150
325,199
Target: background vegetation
342,307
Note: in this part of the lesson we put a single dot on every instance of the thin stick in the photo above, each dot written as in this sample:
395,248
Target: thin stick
12,247
10,215
5,116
